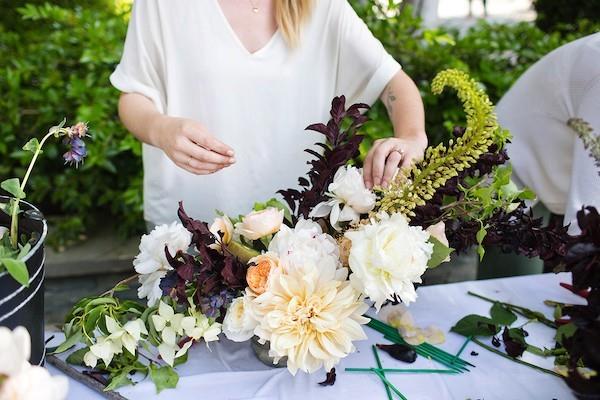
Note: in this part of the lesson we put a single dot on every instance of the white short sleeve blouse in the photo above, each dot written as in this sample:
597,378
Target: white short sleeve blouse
187,59
546,154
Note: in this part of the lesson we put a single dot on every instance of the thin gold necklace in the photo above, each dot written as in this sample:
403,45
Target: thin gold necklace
254,7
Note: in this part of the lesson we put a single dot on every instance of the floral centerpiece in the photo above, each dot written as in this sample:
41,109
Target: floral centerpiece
300,276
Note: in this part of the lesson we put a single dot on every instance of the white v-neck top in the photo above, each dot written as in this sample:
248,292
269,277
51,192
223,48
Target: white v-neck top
187,59
546,154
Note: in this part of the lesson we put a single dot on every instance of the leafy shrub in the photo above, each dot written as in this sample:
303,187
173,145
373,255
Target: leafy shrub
566,16
56,64
55,61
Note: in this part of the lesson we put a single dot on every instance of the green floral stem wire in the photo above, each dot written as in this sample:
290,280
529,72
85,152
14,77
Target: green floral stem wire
403,370
380,369
389,384
446,361
462,348
518,309
498,352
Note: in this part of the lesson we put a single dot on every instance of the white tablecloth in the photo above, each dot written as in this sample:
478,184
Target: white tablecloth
231,371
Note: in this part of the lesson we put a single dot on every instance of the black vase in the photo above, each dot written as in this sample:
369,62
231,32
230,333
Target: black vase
20,305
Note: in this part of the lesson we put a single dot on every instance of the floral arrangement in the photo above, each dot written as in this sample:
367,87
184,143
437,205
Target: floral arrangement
12,247
18,378
301,276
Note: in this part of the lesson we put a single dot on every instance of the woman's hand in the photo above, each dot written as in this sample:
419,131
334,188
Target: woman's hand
190,146
387,155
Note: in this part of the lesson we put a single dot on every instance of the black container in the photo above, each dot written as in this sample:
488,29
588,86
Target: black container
20,305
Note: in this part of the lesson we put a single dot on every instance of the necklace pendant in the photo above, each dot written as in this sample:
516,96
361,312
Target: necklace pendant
255,9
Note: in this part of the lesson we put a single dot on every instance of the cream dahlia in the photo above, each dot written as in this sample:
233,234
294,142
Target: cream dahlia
311,314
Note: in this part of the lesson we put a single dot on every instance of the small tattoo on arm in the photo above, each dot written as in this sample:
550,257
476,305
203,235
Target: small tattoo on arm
389,99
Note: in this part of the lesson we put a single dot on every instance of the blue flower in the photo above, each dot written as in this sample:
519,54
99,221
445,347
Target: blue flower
76,152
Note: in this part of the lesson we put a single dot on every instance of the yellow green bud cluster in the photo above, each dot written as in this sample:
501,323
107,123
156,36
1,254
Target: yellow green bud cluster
414,187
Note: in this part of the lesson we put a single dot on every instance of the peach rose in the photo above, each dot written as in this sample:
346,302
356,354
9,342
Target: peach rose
259,224
257,275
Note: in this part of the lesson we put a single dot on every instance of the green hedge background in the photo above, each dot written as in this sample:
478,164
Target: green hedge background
55,60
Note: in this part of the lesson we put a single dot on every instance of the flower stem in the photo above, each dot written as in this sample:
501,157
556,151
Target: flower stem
493,350
526,312
125,281
14,221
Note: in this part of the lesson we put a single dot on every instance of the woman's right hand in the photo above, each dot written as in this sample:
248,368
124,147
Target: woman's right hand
190,146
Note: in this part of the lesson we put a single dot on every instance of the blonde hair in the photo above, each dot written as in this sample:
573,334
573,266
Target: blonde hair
290,16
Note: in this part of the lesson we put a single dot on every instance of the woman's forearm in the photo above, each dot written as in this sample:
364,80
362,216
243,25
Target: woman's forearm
140,116
405,108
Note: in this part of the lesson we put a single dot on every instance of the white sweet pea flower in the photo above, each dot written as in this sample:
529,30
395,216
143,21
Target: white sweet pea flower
259,224
387,257
151,263
128,335
349,198
104,349
171,325
239,322
203,327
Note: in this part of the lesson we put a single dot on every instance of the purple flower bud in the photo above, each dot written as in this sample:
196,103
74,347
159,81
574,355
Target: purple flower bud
77,150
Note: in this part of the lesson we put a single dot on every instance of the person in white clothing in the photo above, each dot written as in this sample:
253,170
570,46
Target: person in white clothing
547,155
220,91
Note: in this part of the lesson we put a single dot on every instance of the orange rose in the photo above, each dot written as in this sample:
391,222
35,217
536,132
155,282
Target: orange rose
257,275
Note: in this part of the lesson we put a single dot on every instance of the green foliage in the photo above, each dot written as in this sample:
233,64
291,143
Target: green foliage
566,16
475,325
56,62
493,54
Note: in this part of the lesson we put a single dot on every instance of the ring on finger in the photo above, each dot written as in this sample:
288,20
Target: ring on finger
189,161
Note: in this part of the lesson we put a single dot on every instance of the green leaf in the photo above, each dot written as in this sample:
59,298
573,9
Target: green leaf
481,233
475,325
13,186
518,335
92,318
76,357
163,377
119,379
33,145
69,342
501,315
17,269
440,253
565,332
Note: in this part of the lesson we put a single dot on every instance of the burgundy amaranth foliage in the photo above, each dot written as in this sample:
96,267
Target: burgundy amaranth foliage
210,272
342,145
582,259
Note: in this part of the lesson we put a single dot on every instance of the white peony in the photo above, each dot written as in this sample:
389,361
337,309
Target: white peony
239,322
18,379
305,243
34,383
259,224
387,257
310,314
349,198
151,263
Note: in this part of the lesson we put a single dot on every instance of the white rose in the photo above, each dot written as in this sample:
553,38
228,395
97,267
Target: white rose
239,322
259,224
34,383
387,257
349,198
152,247
305,243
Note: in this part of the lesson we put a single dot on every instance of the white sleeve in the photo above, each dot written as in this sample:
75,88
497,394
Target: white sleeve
141,66
585,178
364,66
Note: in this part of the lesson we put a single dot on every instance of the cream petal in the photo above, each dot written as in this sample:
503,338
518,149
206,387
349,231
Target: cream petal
159,322
165,311
167,353
112,325
90,359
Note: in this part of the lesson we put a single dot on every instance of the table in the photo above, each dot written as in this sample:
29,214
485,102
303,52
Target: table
231,371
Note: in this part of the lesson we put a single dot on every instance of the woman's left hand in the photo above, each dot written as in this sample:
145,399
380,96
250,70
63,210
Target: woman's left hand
387,155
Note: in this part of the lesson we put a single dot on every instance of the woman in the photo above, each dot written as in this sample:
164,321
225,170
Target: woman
219,92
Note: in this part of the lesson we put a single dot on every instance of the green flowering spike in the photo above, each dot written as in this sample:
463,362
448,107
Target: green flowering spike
417,185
